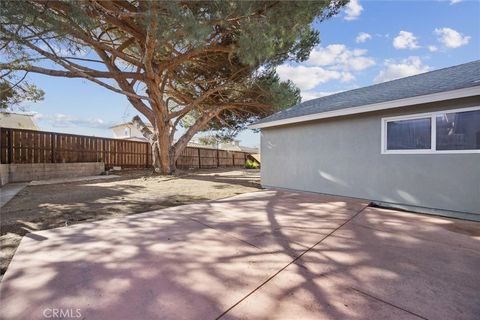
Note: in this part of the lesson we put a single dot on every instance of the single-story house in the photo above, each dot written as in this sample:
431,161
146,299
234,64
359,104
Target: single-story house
412,143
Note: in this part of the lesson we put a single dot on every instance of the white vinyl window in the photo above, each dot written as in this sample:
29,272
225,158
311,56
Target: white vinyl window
449,131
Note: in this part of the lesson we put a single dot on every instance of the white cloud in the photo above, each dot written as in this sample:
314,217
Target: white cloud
62,121
455,1
405,40
335,62
451,38
346,76
362,37
353,10
339,57
407,67
432,48
307,78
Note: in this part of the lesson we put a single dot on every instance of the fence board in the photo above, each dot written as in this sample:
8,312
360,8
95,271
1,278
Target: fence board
29,146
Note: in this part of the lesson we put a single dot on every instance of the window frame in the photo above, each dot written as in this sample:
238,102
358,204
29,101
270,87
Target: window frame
433,127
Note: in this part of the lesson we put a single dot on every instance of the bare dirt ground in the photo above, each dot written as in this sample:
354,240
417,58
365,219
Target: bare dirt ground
43,207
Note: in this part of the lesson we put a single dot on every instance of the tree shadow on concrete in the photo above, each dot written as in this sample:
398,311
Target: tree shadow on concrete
90,202
269,254
227,180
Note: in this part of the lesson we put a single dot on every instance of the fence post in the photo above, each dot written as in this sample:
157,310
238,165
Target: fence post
218,159
52,143
10,146
233,159
104,153
146,155
199,159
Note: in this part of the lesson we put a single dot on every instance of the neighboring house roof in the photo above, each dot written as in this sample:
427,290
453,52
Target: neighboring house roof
17,120
229,147
141,139
256,157
128,124
199,145
443,84
225,147
249,149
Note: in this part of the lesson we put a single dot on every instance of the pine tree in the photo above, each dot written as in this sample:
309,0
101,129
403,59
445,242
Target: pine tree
208,62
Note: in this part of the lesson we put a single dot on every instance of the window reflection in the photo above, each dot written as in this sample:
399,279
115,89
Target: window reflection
410,134
458,130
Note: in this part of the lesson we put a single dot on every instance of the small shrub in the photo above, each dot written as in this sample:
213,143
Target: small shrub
251,165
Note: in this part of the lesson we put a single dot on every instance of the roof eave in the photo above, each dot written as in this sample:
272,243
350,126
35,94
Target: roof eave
434,97
120,125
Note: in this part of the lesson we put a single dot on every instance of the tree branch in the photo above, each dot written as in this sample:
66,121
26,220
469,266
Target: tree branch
127,87
180,145
67,74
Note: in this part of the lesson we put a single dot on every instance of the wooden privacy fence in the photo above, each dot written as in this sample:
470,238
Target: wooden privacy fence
29,146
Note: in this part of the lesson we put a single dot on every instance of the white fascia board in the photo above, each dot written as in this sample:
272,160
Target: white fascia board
440,96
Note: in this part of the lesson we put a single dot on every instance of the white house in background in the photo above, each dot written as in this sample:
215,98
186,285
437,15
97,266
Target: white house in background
17,120
128,131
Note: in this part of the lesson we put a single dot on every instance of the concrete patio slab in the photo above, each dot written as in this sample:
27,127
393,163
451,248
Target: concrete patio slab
139,268
186,262
264,255
279,217
296,293
381,264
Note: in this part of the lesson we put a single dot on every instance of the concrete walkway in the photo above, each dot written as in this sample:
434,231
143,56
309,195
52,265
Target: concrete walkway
263,255
10,190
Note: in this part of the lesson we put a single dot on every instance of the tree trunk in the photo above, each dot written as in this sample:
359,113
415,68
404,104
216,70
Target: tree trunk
164,150
162,161
164,154
155,156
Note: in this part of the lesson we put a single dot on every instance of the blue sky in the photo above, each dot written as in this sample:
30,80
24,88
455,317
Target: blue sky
367,43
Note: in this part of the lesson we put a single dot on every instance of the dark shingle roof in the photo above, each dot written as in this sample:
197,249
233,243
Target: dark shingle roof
447,79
